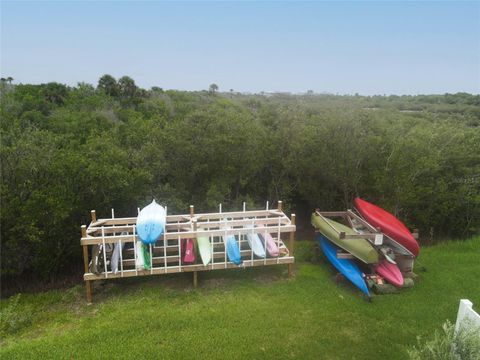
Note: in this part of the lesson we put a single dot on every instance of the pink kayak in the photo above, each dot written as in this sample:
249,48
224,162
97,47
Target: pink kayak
271,246
188,251
390,272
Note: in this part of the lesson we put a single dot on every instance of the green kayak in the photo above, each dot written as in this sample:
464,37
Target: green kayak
360,248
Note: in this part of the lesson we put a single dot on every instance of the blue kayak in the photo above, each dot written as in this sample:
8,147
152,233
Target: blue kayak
151,223
233,251
347,267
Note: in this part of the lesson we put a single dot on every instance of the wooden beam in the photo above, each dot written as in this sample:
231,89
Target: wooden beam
326,220
88,285
291,245
186,217
185,226
344,255
195,279
90,240
93,215
332,213
189,268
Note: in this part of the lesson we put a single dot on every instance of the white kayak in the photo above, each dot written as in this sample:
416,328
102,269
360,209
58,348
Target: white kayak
204,249
255,243
116,255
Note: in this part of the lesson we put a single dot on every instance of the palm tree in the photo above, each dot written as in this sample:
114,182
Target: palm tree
108,84
10,79
212,88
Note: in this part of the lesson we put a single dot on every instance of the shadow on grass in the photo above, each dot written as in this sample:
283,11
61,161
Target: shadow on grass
177,283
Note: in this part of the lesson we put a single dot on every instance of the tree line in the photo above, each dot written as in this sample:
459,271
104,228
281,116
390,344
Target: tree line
66,150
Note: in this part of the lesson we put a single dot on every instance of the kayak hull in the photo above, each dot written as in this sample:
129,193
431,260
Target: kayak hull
233,251
204,249
347,267
151,223
188,251
389,225
360,248
256,245
270,244
390,272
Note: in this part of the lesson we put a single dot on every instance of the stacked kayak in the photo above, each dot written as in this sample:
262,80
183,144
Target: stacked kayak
346,267
360,248
352,254
389,225
390,272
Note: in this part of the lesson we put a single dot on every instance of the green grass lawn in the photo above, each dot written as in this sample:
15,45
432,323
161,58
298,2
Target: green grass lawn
252,313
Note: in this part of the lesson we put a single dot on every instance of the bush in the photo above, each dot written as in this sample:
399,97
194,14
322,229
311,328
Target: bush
449,345
66,150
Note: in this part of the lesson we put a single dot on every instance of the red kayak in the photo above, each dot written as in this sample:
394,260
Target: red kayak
388,224
390,272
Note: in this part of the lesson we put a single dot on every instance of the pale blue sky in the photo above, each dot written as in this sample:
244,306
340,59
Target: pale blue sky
338,47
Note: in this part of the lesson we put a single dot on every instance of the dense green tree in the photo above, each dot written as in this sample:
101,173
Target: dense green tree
108,85
127,87
67,150
55,93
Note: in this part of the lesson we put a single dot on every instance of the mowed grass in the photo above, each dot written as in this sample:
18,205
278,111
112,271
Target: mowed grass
248,313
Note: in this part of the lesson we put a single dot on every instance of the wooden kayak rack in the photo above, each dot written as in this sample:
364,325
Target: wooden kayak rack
405,260
165,254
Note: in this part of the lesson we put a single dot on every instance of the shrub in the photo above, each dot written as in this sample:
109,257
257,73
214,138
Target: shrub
449,345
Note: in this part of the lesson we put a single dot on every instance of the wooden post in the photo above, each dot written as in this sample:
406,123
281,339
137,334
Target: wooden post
195,275
195,279
88,284
291,244
415,234
192,212
93,214
280,208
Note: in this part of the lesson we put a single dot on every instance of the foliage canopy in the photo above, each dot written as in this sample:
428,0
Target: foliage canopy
66,150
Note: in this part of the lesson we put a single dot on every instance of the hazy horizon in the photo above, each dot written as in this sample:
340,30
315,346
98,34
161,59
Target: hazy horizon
370,48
